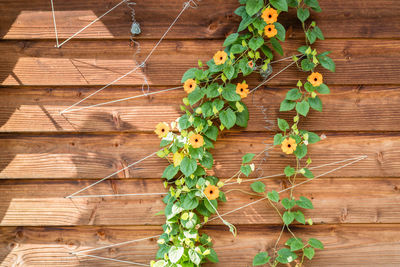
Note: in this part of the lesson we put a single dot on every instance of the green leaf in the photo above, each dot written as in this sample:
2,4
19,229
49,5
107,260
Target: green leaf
253,6
190,203
184,122
299,216
245,22
293,3
323,89
278,139
318,33
313,138
261,259
229,71
326,62
228,118
307,173
276,45
313,4
315,243
256,42
304,203
170,172
237,49
207,160
309,87
288,217
244,66
229,93
212,90
196,95
242,117
287,105
293,94
307,65
289,171
231,39
296,244
302,107
188,166
273,196
213,257
288,203
281,31
286,256
248,157
315,103
282,124
279,4
194,256
246,170
175,254
311,36
303,14
258,187
189,74
301,151
259,24
212,132
309,253
267,52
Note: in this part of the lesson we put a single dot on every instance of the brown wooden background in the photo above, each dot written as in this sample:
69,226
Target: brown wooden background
44,156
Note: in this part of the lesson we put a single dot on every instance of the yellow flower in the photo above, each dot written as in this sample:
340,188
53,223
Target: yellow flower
315,79
177,158
196,140
162,129
211,192
270,15
270,30
220,57
242,89
289,145
189,85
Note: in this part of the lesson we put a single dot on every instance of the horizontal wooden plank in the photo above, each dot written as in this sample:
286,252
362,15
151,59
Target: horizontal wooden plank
24,19
336,200
95,156
98,63
354,245
368,108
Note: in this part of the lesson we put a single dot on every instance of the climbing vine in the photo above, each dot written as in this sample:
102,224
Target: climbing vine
213,104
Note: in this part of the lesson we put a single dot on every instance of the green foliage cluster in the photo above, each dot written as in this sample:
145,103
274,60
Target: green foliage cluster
215,104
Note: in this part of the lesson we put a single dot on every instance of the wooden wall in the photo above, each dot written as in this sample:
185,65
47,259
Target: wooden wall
45,156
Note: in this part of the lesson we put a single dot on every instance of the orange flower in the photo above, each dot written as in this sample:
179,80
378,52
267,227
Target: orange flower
270,30
289,145
220,57
211,192
315,79
162,129
189,85
196,140
270,15
242,89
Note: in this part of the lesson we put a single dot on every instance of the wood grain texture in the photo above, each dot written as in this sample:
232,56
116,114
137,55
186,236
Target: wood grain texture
357,245
37,110
336,200
96,156
91,63
24,19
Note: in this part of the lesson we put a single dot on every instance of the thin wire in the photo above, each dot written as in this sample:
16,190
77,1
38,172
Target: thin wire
54,22
124,99
118,244
118,195
261,199
186,5
101,180
111,259
281,174
94,21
